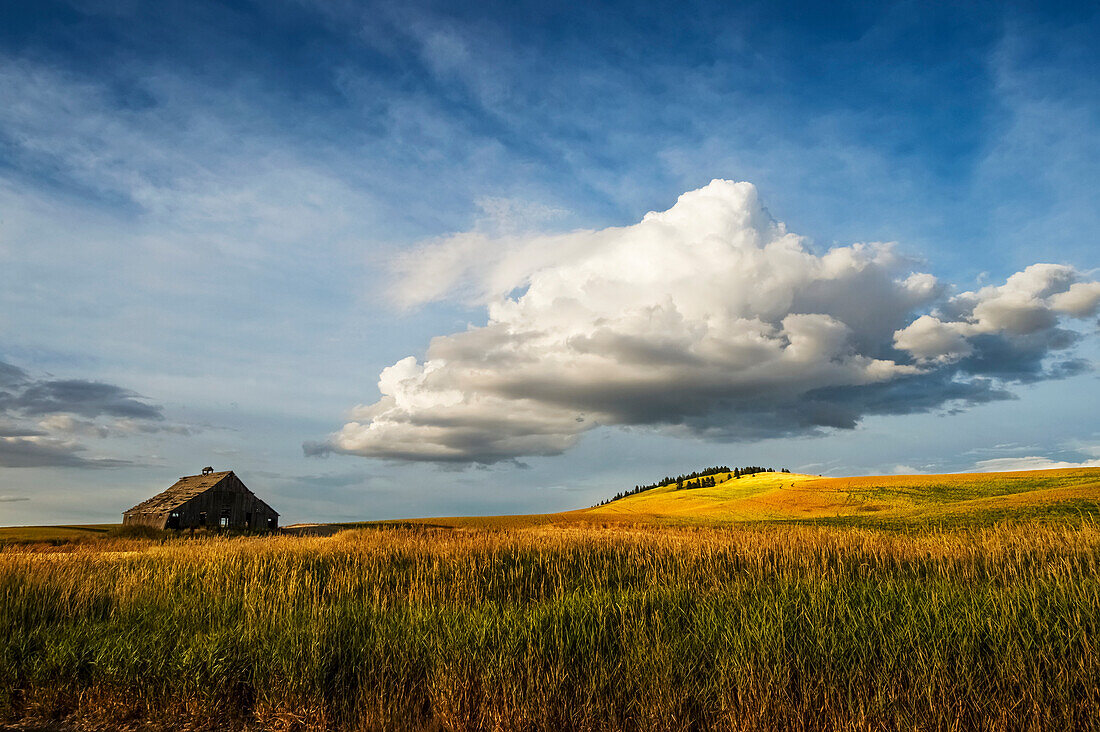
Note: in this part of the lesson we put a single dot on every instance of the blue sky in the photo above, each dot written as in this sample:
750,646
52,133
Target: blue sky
219,223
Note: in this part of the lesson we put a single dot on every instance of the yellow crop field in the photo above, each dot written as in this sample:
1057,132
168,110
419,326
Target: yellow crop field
787,496
977,499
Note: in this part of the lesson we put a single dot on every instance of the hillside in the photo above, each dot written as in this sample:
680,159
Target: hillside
951,499
793,496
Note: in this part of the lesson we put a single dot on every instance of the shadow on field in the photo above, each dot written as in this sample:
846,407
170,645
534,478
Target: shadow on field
333,529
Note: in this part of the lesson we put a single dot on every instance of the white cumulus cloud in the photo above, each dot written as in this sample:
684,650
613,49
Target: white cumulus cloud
709,318
1029,303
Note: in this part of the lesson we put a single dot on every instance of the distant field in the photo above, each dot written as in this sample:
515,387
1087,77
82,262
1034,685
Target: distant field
952,498
56,534
881,501
780,602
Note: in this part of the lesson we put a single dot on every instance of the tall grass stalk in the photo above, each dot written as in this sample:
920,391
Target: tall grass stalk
784,628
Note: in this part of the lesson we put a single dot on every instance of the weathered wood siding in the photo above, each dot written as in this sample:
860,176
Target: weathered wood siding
229,500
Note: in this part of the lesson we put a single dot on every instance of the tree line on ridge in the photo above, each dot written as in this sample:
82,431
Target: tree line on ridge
706,478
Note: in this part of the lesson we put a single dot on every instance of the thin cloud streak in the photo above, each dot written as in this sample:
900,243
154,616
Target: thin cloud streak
1031,462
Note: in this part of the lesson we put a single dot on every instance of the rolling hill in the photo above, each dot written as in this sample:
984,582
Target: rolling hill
873,499
885,501
954,499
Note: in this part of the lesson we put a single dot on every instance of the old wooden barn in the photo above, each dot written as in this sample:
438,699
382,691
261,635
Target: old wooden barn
215,501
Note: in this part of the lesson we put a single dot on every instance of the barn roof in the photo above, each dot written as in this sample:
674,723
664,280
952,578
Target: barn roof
181,492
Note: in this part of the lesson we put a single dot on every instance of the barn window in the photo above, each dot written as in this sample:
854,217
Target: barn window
202,518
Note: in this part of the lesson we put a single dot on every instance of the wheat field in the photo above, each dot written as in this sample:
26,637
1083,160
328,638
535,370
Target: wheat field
560,627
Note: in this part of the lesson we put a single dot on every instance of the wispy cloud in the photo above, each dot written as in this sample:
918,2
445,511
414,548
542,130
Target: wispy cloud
1031,462
50,452
43,417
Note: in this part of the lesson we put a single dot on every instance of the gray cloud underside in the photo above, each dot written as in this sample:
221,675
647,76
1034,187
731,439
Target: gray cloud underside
70,396
709,319
37,452
41,417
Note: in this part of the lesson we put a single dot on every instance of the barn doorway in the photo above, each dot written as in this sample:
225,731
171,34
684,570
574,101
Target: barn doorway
224,521
173,520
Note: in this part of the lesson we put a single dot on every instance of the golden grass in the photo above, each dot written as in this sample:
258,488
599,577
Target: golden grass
777,601
563,626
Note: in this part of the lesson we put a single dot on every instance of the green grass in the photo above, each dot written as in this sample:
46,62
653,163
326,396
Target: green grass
993,485
573,627
56,535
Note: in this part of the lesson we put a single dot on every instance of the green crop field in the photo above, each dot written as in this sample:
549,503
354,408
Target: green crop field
638,615
56,535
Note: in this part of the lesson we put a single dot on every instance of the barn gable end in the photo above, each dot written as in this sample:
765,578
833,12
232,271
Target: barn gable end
215,501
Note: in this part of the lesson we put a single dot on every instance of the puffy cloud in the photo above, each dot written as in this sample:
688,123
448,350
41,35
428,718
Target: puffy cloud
1081,300
930,338
1007,331
709,318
